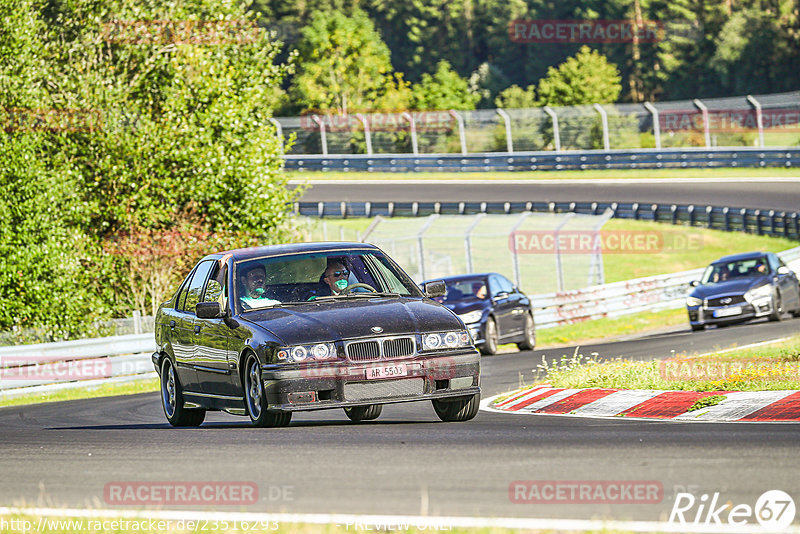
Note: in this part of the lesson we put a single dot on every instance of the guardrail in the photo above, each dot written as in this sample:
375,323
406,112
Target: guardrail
756,221
549,160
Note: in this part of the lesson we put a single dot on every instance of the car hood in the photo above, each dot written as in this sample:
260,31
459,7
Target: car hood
343,319
737,285
467,305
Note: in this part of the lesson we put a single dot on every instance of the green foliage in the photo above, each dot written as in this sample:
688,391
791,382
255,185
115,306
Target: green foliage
107,131
516,97
587,78
344,66
445,89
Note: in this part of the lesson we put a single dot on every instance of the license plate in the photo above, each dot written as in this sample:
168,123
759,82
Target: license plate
386,371
727,312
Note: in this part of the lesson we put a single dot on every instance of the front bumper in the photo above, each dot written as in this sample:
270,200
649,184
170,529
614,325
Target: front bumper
344,384
701,315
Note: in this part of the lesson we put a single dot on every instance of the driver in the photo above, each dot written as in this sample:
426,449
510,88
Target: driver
335,276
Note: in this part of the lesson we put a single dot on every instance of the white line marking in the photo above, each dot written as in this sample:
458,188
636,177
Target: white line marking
616,402
564,181
369,522
750,346
735,406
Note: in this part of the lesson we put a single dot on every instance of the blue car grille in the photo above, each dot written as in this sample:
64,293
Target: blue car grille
726,300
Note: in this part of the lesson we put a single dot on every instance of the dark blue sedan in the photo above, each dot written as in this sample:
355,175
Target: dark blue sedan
493,309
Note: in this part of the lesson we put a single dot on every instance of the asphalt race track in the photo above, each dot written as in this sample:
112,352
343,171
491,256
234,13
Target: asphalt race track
780,195
406,462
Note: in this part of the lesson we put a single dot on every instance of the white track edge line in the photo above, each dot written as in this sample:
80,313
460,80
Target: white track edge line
380,520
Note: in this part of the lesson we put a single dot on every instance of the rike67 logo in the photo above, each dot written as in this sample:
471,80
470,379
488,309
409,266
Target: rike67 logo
774,510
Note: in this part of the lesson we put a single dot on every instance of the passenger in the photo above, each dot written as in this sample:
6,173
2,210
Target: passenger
761,268
479,288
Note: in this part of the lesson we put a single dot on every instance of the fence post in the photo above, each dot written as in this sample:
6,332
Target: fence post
759,119
656,125
367,133
757,213
278,130
468,241
690,209
413,128
743,212
137,322
514,248
706,130
556,135
710,215
654,209
604,120
322,137
507,121
460,120
422,230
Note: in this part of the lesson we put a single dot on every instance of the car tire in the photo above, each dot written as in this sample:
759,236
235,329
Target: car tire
529,343
489,346
698,327
172,399
255,399
777,307
363,413
457,409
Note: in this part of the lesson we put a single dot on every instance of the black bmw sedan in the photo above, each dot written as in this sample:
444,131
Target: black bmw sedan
269,331
493,309
741,287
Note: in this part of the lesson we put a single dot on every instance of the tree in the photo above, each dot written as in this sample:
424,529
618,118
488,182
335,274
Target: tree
516,97
344,66
445,89
587,78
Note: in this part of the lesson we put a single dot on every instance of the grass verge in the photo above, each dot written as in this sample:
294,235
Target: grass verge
738,172
770,367
89,392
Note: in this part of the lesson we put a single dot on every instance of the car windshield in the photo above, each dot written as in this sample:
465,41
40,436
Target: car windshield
299,278
473,288
723,271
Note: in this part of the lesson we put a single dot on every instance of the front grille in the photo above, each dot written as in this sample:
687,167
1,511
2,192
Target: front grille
380,348
382,389
363,351
398,347
717,302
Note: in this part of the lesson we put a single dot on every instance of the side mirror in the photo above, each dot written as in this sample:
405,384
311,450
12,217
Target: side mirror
500,296
208,310
436,288
694,283
783,270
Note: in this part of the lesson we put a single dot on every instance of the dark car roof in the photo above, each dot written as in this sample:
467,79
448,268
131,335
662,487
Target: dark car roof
291,248
739,257
459,277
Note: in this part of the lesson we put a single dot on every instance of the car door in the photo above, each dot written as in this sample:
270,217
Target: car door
215,366
517,305
182,326
503,306
786,281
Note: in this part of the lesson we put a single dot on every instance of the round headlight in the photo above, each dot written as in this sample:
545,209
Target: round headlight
299,354
432,341
320,351
451,339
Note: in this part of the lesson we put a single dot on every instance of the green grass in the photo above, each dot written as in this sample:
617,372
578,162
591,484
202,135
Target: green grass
775,366
738,172
89,392
582,332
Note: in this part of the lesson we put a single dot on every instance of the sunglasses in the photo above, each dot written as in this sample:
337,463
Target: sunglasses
340,273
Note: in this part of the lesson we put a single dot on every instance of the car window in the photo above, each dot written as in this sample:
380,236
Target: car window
217,287
197,285
497,285
469,288
774,262
505,284
723,271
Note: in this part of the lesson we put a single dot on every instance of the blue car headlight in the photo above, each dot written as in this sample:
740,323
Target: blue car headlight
693,301
758,293
471,317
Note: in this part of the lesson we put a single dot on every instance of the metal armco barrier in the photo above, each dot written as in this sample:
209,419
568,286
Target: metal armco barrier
729,219
550,160
621,298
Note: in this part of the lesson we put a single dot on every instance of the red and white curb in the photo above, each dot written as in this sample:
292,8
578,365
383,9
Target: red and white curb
746,406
